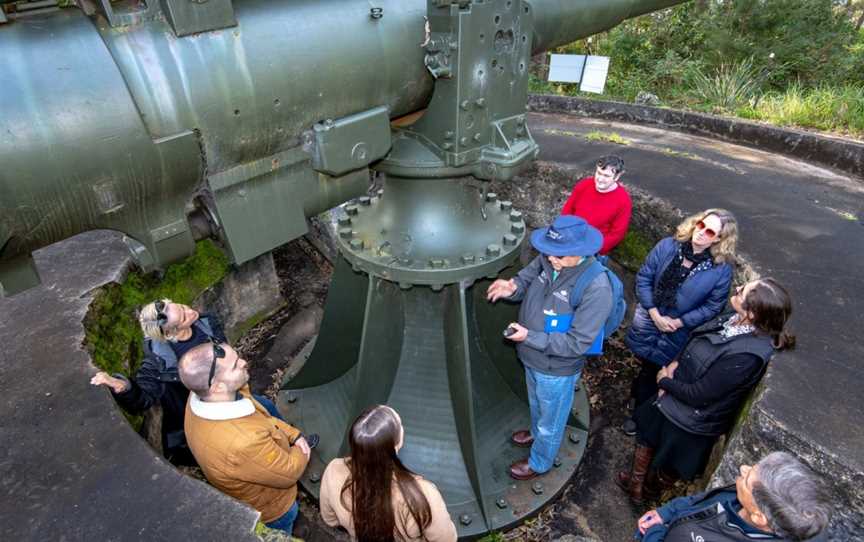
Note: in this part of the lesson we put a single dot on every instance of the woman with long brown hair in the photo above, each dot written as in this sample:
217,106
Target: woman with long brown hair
373,496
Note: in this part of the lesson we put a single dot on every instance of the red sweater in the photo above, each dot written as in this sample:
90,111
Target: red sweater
609,212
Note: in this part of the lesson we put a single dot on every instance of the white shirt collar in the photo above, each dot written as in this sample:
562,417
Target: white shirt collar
222,410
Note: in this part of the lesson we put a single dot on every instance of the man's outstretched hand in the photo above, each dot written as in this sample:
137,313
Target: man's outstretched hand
500,288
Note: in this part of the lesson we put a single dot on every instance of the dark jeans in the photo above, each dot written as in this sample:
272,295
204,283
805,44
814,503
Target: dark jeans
286,522
644,386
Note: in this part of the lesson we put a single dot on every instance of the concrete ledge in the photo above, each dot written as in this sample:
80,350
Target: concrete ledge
826,150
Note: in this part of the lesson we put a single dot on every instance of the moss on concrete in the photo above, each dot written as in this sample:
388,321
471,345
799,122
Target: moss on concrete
112,333
633,250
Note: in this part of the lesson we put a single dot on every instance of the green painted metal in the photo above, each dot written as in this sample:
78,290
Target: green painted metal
351,142
191,17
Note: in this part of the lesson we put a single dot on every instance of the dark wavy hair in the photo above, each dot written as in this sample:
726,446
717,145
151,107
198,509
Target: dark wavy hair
375,468
771,306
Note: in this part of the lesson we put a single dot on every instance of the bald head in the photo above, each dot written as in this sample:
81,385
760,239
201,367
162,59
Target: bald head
194,368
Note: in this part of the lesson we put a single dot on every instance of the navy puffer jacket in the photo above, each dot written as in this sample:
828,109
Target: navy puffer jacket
700,298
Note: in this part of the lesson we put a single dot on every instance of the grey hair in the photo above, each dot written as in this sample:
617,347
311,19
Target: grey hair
791,496
194,368
147,317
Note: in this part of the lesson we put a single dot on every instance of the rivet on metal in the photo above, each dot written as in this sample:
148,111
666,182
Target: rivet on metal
351,209
447,146
465,105
480,102
477,137
436,263
357,244
449,134
515,216
465,519
491,196
344,220
506,205
365,200
292,398
463,140
517,228
314,477
501,503
493,250
574,438
537,488
346,233
556,462
467,258
509,239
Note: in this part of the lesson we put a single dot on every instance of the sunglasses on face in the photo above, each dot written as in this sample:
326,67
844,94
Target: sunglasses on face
218,352
161,317
708,231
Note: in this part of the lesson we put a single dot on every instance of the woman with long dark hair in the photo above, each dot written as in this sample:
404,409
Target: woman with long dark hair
702,391
373,496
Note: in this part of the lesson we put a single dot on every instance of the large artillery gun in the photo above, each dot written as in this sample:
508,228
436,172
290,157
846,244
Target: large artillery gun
171,120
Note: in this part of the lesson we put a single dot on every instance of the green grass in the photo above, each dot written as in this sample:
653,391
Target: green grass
112,333
632,251
833,109
609,138
493,537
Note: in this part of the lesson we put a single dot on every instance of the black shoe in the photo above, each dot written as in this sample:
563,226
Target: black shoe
629,427
312,440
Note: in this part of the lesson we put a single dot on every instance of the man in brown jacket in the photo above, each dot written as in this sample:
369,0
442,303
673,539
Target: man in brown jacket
243,450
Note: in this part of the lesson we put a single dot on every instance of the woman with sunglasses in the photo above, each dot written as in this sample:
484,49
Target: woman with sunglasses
700,394
683,283
170,330
373,496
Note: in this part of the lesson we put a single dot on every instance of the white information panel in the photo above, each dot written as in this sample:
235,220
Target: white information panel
566,68
594,78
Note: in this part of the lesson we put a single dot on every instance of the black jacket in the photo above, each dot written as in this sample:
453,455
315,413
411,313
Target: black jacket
713,378
157,380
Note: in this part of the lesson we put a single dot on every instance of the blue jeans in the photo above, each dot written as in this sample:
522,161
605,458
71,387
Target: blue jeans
286,522
550,399
269,405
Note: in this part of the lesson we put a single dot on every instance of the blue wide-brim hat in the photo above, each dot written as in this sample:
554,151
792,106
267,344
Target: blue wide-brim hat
568,235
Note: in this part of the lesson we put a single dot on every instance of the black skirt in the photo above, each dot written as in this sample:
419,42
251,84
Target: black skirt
675,450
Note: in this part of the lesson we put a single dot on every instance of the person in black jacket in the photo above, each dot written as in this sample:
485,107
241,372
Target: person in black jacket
777,499
701,392
170,330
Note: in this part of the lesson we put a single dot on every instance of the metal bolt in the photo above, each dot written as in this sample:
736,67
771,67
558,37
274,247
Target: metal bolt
556,462
467,258
517,228
356,244
501,503
537,488
365,200
449,134
380,192
509,240
463,141
477,137
437,287
465,105
351,209
315,477
346,233
574,438
405,285
493,250
506,205
515,216
436,263
447,146
344,220
491,196
454,45
292,398
465,519
480,102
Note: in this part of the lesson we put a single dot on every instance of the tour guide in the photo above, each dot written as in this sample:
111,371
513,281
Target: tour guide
552,336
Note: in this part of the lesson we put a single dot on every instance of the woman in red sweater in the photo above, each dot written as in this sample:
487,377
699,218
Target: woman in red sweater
602,202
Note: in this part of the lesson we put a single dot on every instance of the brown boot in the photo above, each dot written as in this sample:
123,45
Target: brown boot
633,482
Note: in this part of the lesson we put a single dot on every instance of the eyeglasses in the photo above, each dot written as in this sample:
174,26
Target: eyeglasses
218,352
161,317
708,231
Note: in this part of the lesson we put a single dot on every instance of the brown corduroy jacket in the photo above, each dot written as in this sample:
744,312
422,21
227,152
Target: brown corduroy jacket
246,453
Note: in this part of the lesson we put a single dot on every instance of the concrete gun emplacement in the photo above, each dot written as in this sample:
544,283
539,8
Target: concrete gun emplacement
172,120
